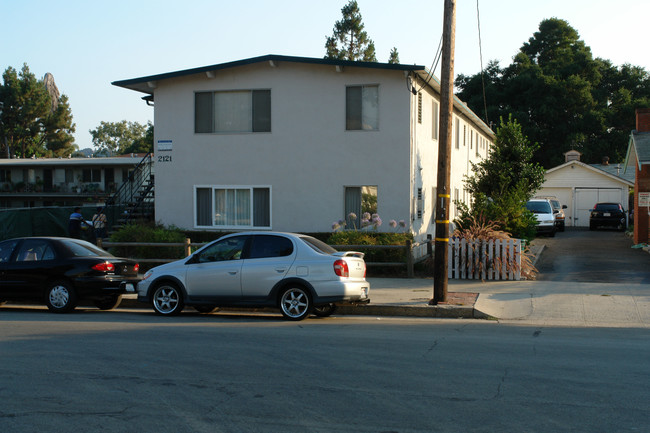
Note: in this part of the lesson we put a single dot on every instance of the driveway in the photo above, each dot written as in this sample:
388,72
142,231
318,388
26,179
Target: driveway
602,256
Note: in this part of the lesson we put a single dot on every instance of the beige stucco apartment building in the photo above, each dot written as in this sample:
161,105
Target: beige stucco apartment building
295,144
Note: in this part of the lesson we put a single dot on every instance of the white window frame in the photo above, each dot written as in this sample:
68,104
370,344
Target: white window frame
250,188
435,107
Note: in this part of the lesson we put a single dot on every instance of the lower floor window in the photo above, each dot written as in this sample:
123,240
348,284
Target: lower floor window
233,207
359,201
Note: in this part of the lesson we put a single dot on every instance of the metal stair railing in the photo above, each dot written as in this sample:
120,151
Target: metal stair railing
131,195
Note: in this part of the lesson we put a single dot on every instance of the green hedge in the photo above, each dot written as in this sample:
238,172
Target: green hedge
152,234
354,237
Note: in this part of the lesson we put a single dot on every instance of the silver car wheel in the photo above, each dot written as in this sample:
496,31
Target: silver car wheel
295,303
167,299
59,296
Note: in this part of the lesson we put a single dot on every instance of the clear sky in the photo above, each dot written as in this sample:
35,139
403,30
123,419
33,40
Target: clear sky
88,44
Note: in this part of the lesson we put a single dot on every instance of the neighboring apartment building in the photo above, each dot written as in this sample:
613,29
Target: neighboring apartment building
62,181
294,144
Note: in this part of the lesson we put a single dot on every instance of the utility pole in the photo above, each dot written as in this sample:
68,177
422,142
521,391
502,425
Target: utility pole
444,155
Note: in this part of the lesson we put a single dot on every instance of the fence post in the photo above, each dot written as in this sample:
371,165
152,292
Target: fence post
409,259
188,248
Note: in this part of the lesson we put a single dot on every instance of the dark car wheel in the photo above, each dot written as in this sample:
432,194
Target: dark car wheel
592,226
108,303
324,310
205,309
295,303
61,297
167,300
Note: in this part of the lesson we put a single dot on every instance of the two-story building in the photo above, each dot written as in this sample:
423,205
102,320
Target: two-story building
27,182
295,144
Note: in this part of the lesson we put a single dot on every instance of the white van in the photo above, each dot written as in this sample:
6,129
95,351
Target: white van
543,211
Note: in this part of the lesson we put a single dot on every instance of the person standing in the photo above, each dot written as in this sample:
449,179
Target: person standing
99,224
74,223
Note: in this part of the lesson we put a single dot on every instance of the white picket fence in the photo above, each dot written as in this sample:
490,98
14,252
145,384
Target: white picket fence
486,260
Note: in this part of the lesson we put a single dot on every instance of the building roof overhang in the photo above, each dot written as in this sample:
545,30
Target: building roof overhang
149,83
638,150
592,168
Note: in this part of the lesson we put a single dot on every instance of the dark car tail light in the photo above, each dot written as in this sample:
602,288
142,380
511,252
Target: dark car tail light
136,268
341,268
104,267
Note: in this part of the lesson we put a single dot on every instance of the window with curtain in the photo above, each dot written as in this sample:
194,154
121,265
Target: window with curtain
358,201
362,108
232,111
234,207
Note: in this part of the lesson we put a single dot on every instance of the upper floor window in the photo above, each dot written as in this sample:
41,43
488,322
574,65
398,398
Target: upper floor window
5,175
362,108
232,111
91,175
435,121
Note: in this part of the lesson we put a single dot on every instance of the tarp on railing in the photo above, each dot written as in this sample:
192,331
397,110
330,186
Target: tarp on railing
43,221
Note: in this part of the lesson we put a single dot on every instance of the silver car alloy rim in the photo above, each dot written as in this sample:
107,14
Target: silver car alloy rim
166,299
294,302
59,296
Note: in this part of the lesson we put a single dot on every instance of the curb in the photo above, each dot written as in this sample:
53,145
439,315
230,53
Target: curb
433,311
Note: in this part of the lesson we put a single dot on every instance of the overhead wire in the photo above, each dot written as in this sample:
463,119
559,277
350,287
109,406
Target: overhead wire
434,65
480,50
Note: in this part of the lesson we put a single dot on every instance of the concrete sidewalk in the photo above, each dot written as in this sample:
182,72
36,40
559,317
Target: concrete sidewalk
524,302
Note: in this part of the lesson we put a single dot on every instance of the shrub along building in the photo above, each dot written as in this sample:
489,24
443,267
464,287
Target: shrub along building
295,144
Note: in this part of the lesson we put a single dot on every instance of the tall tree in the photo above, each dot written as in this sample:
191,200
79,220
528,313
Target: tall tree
117,138
563,98
35,121
349,40
393,58
504,181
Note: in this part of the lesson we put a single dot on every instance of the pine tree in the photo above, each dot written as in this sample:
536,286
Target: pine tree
349,40
394,57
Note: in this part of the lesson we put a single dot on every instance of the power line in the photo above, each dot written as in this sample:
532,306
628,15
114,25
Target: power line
480,50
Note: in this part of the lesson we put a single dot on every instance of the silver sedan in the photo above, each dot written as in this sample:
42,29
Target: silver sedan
298,274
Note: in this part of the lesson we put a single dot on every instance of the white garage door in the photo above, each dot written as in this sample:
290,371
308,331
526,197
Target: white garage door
586,198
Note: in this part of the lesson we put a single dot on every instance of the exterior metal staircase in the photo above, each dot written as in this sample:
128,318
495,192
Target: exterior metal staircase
134,200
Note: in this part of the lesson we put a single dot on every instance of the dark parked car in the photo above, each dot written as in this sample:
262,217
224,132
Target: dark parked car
62,271
607,215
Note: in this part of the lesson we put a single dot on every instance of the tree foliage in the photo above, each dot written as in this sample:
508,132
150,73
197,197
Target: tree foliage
33,121
503,182
563,98
393,58
349,40
118,138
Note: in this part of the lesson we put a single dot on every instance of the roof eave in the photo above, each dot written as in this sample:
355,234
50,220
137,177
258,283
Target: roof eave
147,84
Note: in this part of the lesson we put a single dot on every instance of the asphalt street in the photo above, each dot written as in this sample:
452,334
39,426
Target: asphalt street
126,371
